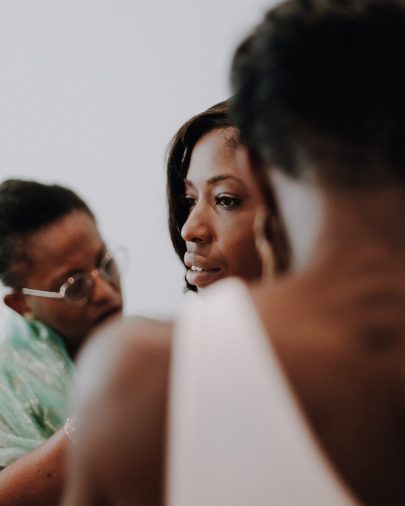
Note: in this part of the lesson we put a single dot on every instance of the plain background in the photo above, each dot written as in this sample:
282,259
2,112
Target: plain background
91,91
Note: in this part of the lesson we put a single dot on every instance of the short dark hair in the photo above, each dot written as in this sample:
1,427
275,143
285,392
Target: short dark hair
25,208
178,161
320,84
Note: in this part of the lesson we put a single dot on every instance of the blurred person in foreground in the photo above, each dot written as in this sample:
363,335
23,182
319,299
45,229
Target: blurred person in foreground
290,391
62,282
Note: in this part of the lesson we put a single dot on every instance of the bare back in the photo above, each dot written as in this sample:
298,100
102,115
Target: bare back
340,333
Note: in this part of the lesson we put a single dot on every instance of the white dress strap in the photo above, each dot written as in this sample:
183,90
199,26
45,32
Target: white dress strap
236,434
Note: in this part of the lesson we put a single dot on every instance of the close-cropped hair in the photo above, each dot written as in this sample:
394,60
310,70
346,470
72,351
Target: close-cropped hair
27,207
320,86
178,161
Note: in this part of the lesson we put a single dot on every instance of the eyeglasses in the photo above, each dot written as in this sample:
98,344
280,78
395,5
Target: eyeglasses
78,289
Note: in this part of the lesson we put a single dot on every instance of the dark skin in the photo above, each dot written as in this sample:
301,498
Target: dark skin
223,201
343,347
37,478
54,253
132,388
338,326
348,390
71,244
346,378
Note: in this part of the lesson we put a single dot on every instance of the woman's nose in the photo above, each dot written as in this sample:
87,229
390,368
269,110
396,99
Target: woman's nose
197,228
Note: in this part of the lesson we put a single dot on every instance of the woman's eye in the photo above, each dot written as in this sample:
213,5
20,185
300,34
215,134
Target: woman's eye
227,202
190,202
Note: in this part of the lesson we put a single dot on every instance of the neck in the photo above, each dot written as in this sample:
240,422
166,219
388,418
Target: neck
72,348
361,225
325,225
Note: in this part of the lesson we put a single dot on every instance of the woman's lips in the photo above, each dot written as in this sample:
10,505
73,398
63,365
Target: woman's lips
195,268
198,276
201,270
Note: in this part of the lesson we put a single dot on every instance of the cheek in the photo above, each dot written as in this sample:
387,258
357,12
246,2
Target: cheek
61,317
239,250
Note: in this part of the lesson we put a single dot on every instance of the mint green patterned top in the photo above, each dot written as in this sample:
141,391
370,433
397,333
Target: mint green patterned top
35,378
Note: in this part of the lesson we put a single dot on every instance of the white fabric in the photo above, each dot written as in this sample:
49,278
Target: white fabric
236,434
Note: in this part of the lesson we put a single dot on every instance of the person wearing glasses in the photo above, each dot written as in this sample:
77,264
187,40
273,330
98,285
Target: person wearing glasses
62,283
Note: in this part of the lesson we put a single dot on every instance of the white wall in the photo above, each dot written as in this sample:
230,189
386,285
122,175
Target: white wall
91,91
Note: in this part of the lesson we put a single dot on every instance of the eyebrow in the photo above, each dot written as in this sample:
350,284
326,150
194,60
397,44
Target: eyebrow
217,179
61,278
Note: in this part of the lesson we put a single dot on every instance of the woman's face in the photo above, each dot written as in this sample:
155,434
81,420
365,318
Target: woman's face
223,200
71,245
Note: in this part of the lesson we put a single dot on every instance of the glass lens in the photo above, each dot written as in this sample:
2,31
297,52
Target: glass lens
109,267
113,264
79,289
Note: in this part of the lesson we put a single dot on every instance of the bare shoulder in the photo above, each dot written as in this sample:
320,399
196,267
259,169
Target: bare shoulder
123,349
124,359
120,401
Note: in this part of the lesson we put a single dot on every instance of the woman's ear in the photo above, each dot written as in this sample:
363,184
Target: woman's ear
17,301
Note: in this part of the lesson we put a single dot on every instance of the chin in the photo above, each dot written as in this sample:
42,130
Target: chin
202,286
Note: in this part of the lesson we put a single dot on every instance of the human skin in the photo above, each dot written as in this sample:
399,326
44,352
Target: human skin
223,199
337,324
72,244
342,344
119,457
36,479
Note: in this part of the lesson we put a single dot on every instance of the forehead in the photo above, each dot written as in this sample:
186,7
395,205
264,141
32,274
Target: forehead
72,238
215,154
